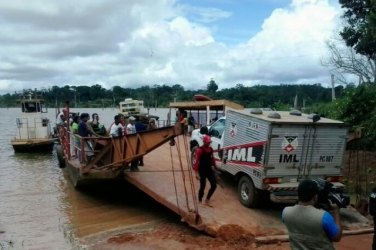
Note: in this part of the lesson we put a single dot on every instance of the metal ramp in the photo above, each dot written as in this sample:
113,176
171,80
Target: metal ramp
169,185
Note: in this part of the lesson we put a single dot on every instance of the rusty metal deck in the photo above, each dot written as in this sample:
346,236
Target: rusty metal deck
157,179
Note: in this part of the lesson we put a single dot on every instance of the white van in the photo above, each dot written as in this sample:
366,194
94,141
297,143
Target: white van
269,152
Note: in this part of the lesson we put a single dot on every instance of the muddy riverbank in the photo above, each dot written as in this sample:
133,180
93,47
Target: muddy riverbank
173,235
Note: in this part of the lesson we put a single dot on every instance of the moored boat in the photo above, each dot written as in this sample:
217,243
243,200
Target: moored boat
34,132
130,106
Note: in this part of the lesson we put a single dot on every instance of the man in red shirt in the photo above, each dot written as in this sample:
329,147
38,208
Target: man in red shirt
204,167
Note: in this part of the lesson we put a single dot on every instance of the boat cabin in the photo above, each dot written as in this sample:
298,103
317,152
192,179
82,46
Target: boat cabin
130,106
205,111
32,103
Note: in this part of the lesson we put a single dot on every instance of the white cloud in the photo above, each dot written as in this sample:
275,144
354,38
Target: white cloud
290,45
132,43
205,15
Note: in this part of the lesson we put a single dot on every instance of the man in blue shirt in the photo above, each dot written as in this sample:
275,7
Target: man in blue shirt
310,227
84,131
140,126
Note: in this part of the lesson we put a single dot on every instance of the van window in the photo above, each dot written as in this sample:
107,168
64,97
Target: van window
216,130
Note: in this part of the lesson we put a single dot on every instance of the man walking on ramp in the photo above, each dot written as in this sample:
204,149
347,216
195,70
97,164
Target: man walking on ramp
204,167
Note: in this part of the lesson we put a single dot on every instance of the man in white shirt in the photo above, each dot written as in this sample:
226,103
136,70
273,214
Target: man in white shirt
131,128
60,119
116,129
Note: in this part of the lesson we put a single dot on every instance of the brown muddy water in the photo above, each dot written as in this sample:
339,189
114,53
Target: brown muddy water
40,209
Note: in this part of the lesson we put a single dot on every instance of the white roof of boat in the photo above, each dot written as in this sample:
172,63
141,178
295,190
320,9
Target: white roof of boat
201,105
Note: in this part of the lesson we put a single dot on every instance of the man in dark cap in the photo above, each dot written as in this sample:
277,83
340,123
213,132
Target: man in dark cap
308,226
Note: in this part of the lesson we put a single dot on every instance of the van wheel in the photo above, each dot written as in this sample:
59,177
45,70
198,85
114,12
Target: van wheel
247,192
193,155
60,156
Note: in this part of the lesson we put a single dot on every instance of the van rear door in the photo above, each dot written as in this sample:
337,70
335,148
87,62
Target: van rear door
298,151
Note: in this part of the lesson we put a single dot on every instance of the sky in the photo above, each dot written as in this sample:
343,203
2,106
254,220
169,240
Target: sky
135,43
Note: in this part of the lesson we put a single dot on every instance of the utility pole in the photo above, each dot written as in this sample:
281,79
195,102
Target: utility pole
333,90
296,102
303,105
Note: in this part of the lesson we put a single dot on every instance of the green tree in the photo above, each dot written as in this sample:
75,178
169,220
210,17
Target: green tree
83,94
119,94
178,91
212,87
359,33
358,109
96,92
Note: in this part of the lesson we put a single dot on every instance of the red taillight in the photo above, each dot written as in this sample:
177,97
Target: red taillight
334,178
274,180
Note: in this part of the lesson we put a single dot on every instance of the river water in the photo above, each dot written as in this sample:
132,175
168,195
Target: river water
39,208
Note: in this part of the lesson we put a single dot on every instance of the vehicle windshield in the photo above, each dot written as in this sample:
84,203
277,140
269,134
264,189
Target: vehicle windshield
216,129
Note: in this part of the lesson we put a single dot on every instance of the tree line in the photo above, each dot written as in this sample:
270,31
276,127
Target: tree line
355,105
280,97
